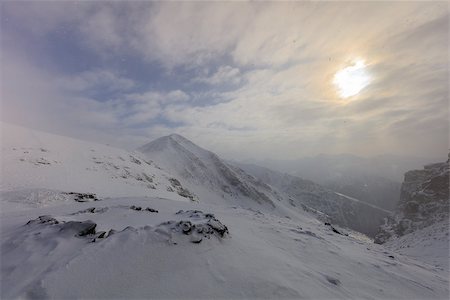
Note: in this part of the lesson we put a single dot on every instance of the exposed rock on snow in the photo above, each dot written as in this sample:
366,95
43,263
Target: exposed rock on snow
138,208
267,255
183,192
92,210
334,229
207,174
424,201
83,197
74,228
197,225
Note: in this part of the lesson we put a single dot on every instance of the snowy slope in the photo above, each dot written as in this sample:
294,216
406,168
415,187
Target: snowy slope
420,226
88,232
340,209
208,175
73,254
34,161
430,244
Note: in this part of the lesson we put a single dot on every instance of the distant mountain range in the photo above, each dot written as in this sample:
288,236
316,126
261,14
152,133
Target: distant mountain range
375,180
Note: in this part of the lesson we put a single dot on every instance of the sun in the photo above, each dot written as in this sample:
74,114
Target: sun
352,79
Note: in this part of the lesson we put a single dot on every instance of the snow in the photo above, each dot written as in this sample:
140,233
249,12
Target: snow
264,256
209,177
324,203
133,241
429,244
38,160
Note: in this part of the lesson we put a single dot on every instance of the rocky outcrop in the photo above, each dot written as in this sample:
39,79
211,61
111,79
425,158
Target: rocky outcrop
424,200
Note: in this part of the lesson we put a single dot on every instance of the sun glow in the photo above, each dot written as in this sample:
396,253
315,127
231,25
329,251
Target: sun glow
351,80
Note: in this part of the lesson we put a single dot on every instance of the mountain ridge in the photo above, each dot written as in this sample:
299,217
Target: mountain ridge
89,216
205,168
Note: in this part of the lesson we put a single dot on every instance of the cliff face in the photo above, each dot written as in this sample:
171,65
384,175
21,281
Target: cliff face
424,200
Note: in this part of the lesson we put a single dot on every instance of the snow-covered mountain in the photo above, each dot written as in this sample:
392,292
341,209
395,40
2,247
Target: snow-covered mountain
36,162
82,220
207,174
338,208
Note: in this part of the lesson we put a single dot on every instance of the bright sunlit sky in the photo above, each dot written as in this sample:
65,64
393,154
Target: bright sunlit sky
246,80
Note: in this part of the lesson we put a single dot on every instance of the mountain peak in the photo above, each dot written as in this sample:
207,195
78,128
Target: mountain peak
177,137
172,143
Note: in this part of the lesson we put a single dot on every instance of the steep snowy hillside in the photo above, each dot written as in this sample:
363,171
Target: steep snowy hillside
338,208
208,175
36,162
430,244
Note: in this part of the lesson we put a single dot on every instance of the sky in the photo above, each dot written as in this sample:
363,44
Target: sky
245,80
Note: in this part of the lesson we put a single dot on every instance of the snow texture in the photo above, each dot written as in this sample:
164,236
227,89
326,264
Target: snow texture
81,220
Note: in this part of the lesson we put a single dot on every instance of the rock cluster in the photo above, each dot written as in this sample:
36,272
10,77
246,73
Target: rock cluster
424,200
198,225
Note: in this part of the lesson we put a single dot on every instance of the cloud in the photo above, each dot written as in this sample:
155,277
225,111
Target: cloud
144,107
247,79
96,79
224,75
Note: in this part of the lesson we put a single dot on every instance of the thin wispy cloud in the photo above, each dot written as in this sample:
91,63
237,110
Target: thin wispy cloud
244,79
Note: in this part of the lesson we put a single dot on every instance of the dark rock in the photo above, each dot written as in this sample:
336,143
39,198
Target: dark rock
174,182
78,228
335,230
135,160
218,227
183,192
205,225
44,220
196,240
424,200
332,280
186,226
101,234
83,197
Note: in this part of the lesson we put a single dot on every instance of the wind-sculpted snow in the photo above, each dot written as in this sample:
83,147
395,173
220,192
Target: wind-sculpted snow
113,249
